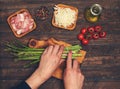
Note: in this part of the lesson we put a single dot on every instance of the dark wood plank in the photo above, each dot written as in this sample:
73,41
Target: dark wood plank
53,83
102,63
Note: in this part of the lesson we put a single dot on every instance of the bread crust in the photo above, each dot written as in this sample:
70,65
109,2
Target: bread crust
71,27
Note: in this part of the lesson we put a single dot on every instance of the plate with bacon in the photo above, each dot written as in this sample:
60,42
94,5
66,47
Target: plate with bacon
21,22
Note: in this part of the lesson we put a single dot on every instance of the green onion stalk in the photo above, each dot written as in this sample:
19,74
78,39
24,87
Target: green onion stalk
22,52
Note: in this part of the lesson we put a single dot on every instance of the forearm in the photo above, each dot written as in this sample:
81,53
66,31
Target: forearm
35,80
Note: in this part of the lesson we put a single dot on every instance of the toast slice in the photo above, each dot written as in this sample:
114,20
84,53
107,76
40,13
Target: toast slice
65,17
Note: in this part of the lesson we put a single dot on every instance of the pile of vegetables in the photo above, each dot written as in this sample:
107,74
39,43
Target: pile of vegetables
93,32
22,52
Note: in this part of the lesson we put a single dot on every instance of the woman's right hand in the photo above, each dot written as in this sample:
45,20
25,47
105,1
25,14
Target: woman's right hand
50,60
73,78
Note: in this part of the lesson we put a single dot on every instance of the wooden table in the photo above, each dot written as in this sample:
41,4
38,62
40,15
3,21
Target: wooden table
101,66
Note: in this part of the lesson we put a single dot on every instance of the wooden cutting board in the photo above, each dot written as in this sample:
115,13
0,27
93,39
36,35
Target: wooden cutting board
33,43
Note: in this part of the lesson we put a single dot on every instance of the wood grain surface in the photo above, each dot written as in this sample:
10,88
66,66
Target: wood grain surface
101,66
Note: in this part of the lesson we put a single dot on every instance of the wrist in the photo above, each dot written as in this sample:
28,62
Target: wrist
35,80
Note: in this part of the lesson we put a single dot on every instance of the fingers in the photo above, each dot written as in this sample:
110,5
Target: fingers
46,50
75,65
79,70
61,61
55,49
61,49
50,49
69,61
70,65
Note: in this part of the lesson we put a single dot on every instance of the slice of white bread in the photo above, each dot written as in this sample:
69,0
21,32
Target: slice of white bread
65,16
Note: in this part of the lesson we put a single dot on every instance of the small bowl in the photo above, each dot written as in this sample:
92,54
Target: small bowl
15,14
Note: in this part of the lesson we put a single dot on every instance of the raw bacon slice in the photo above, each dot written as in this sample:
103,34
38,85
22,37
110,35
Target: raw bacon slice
12,20
19,32
18,25
22,23
14,27
20,17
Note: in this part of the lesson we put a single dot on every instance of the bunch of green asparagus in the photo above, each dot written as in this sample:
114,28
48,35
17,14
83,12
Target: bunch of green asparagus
22,52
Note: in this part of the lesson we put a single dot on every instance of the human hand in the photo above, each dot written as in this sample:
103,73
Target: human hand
73,78
50,60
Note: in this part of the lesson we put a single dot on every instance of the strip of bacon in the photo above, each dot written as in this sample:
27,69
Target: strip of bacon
22,23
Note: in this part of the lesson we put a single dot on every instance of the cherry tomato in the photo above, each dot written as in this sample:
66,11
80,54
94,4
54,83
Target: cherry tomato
88,36
91,30
95,36
98,28
83,30
102,34
85,41
80,36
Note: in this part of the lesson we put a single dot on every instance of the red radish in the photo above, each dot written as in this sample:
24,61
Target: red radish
102,34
